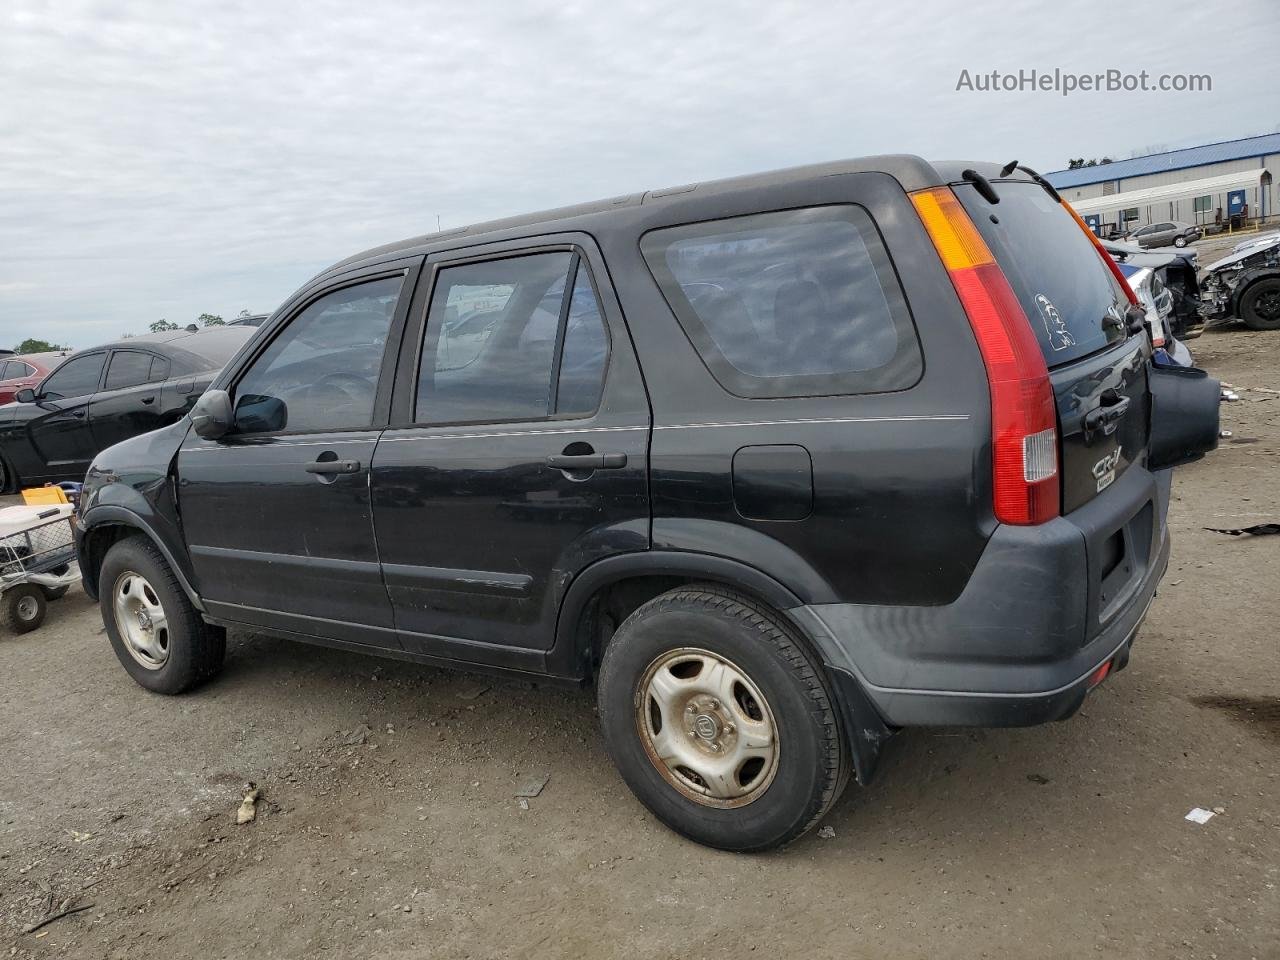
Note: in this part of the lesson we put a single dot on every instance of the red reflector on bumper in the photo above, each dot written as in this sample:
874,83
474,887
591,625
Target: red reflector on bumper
1100,674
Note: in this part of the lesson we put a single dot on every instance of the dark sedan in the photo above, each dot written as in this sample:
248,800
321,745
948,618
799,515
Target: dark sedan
101,396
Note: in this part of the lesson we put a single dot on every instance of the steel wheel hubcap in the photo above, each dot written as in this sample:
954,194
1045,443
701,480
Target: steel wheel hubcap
141,620
706,728
28,608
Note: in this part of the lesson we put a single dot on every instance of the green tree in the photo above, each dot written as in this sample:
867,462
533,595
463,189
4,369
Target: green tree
160,326
32,345
210,320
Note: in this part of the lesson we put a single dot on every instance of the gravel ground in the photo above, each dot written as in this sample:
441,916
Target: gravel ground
389,823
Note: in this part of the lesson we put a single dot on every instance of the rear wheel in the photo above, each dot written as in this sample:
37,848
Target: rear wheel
157,635
1260,305
24,608
719,720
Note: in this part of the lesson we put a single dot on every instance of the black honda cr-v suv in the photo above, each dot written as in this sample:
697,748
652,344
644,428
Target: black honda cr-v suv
783,463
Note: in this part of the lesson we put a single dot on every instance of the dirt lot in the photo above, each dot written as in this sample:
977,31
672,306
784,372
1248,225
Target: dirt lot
1062,841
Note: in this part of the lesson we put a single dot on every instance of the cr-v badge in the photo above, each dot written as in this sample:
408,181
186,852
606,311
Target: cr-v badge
1104,471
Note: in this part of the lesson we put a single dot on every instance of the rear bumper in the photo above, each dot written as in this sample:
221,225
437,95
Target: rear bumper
1021,643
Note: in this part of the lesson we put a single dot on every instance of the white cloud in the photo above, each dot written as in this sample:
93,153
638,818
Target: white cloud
160,159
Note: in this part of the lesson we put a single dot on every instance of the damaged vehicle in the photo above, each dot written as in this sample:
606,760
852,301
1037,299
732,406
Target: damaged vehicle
780,465
1246,284
1175,272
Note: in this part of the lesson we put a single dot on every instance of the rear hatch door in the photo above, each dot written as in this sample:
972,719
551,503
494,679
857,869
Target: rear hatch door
1077,308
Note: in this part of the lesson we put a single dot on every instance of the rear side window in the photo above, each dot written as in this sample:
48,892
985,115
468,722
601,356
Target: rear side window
128,368
517,338
1075,305
794,303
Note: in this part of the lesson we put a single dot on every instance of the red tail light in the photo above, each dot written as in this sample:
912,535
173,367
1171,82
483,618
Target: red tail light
1024,434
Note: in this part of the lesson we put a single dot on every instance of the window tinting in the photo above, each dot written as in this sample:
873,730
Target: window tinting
78,377
1074,303
127,368
492,336
796,303
10,370
321,372
586,346
159,370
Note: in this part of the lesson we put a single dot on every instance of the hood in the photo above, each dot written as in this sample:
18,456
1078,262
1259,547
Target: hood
1259,247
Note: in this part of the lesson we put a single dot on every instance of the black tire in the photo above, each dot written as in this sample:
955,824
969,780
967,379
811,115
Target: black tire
8,479
193,650
1260,305
811,766
24,608
1179,241
55,593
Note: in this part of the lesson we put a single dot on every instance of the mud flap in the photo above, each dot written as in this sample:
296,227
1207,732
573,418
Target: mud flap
865,732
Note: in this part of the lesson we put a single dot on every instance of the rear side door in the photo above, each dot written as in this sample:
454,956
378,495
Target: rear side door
276,513
129,402
517,452
59,429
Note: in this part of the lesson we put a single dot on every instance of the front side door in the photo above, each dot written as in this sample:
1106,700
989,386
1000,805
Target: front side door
129,402
58,427
276,512
517,452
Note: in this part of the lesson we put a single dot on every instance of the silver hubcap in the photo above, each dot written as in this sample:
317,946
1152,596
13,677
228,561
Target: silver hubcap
28,608
707,728
141,620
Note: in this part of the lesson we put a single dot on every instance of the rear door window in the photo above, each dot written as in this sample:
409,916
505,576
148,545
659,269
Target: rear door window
127,368
1074,303
515,338
788,304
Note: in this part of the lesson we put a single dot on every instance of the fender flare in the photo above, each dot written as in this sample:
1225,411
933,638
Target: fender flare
114,515
650,563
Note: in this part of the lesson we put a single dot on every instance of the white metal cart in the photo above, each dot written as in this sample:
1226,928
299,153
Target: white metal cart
37,562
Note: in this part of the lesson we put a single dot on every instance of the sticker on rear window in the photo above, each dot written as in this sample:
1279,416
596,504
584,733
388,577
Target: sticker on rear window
1059,336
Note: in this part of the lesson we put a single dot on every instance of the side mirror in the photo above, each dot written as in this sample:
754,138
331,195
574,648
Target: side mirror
212,416
25,395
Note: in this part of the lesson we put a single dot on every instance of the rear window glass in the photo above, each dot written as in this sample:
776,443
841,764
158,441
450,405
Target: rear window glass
1075,305
794,303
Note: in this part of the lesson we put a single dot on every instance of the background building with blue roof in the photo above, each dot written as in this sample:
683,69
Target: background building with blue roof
1227,183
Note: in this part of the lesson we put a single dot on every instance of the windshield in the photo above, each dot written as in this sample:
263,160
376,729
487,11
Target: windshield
1074,303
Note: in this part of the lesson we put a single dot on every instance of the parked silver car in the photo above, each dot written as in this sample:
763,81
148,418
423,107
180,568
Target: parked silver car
1166,233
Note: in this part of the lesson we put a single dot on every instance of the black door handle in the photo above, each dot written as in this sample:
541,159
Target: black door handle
148,399
334,466
587,461
78,414
1104,418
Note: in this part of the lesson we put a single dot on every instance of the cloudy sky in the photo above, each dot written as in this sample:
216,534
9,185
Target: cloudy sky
163,159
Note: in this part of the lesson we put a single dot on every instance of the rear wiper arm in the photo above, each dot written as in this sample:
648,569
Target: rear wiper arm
1013,165
982,185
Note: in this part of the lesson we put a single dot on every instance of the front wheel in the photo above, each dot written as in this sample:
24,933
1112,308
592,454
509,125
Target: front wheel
720,721
157,635
1179,241
1260,305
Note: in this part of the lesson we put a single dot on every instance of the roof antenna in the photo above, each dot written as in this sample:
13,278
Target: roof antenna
1008,168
